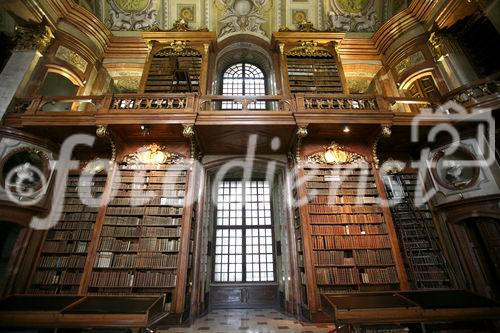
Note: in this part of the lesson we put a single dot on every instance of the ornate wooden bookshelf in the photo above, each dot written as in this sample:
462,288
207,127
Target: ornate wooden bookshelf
350,241
174,74
61,263
139,243
424,260
316,75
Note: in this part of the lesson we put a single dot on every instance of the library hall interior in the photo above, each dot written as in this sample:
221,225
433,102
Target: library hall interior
249,166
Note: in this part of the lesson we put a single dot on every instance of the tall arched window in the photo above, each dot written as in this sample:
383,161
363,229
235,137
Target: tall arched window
243,80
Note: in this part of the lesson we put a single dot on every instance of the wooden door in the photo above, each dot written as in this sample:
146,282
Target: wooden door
244,272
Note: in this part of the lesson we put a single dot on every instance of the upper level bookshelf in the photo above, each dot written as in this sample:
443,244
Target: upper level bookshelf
314,75
173,74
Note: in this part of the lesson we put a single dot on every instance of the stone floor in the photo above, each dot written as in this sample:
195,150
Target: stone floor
250,321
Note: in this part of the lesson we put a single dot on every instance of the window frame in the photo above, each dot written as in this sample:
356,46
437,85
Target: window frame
244,227
260,105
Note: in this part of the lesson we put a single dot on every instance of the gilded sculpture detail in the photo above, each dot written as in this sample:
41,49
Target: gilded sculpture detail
152,154
334,154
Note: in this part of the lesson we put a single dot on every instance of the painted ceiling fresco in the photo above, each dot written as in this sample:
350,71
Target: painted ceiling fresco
258,17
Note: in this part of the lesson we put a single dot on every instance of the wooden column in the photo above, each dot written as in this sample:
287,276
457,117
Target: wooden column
179,297
307,243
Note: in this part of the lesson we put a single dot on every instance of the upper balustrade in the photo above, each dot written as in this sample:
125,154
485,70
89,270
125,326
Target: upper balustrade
216,109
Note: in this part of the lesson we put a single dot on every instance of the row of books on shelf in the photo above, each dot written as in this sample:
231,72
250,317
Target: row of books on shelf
350,242
153,173
56,277
141,179
342,170
353,258
132,279
346,219
141,260
146,220
150,194
144,210
79,208
149,187
344,178
140,231
65,247
74,181
77,234
62,261
340,184
353,275
73,192
142,245
342,200
152,167
344,209
342,191
151,201
351,229
80,225
79,216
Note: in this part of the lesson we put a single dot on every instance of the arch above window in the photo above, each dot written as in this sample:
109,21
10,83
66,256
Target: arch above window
243,79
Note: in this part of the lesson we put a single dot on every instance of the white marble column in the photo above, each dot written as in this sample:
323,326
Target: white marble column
31,43
15,76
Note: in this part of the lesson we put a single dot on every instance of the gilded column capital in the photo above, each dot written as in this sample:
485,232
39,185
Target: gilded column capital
33,38
442,45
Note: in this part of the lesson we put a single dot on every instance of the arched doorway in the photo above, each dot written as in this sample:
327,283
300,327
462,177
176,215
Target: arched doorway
245,248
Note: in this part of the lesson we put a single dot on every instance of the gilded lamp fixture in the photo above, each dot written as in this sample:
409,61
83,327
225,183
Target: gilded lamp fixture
334,154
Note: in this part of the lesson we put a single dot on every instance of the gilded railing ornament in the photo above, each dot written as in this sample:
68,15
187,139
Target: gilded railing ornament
188,132
102,132
309,49
152,154
335,154
33,38
385,131
301,134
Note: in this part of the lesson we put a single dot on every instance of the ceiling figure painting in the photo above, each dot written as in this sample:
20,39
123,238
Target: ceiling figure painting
135,15
353,16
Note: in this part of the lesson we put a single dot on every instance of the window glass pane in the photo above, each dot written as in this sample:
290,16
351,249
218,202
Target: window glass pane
253,235
243,80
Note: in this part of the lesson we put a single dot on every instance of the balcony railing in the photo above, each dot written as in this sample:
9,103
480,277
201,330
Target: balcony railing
151,103
337,102
245,103
480,92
